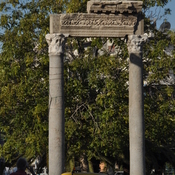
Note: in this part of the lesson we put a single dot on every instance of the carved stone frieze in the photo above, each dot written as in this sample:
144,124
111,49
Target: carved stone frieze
135,43
89,20
118,6
93,25
56,43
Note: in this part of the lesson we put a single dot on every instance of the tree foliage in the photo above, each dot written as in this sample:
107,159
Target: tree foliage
159,100
96,88
97,105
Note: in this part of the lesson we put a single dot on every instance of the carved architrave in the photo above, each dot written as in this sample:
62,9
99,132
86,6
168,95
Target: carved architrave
93,25
118,6
56,43
135,43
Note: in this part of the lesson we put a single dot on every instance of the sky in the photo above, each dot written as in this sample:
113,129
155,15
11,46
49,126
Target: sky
169,18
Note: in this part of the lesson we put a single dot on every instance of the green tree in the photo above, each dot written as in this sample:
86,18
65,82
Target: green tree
24,75
24,78
159,101
99,109
96,89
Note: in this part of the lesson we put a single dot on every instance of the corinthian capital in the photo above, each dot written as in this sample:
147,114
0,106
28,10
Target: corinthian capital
135,43
56,43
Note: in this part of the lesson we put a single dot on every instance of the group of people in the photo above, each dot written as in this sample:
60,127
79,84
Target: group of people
22,165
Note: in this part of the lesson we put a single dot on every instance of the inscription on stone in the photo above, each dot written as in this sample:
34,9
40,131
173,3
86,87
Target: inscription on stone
105,20
94,25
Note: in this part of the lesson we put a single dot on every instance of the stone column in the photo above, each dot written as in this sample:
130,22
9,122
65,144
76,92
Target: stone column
136,109
56,104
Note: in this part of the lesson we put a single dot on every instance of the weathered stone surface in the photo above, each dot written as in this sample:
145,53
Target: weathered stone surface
56,43
94,25
135,43
118,6
136,105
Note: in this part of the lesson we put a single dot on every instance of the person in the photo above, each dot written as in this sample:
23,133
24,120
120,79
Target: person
21,167
103,167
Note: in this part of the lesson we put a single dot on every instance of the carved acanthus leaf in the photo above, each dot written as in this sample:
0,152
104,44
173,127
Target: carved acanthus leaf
56,43
135,43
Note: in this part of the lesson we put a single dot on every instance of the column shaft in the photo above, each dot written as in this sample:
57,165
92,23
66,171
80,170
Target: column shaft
136,116
136,109
56,116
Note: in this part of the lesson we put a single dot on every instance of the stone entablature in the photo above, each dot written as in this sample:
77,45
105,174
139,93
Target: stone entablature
118,6
93,25
104,19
